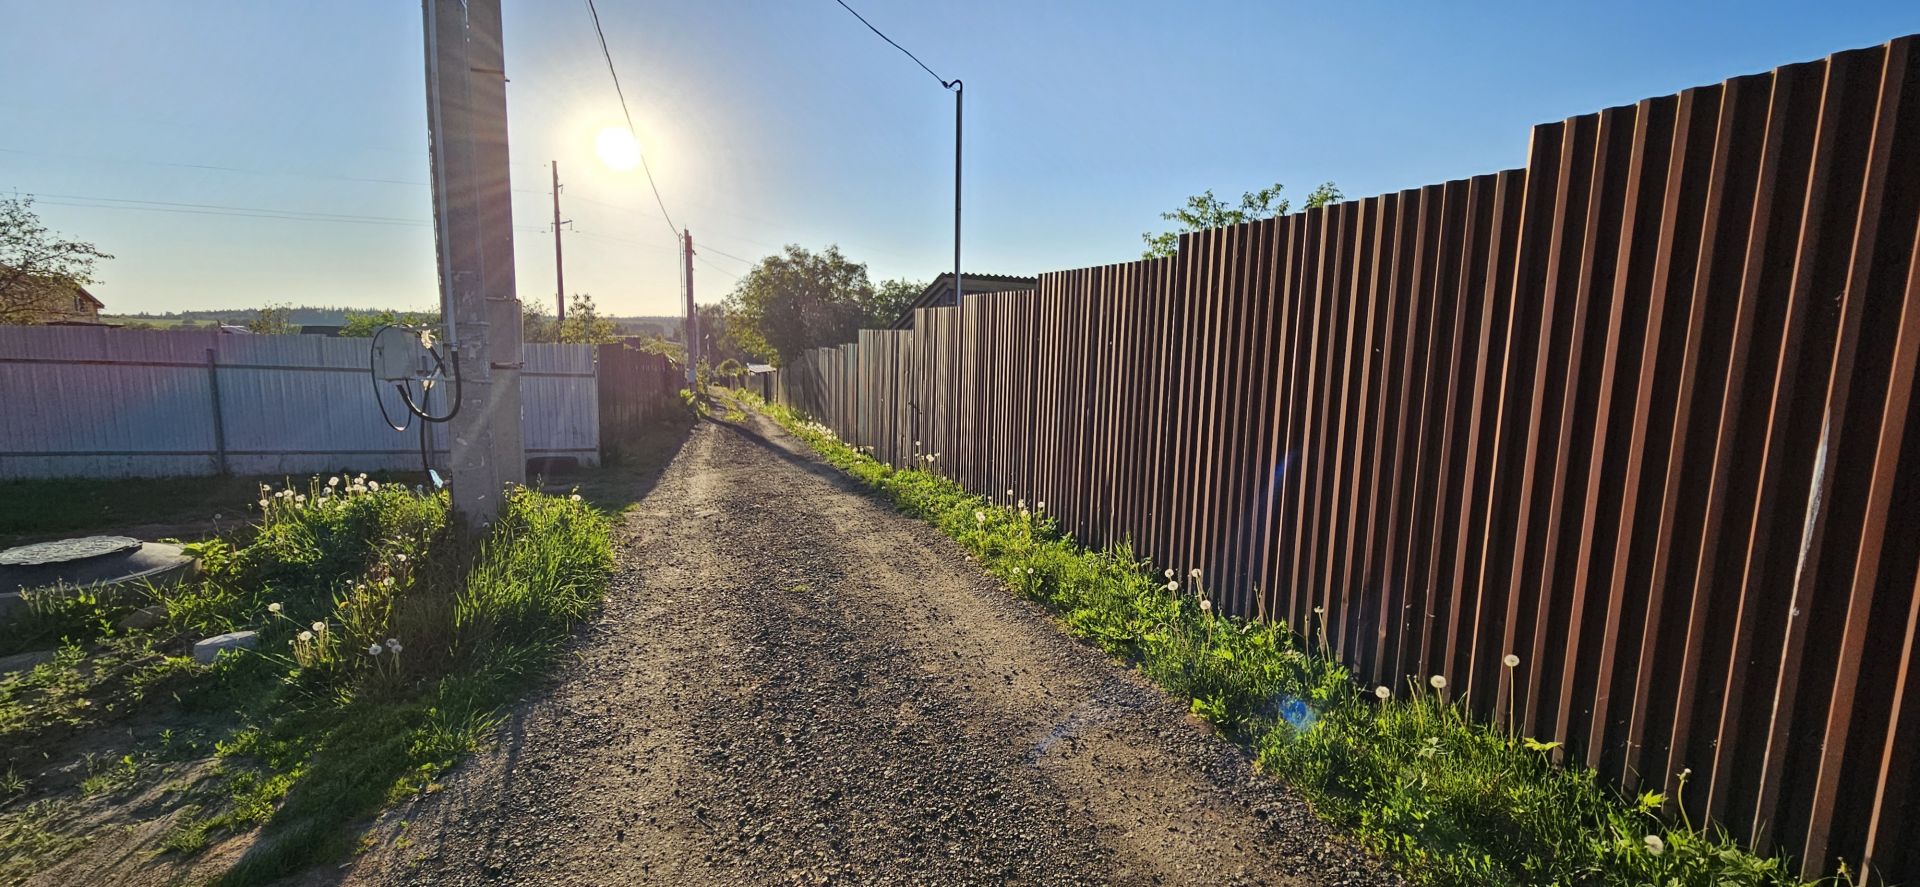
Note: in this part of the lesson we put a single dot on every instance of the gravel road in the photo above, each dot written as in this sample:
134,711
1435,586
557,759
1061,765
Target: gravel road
793,684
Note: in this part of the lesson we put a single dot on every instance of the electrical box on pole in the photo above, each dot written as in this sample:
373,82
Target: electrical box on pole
473,228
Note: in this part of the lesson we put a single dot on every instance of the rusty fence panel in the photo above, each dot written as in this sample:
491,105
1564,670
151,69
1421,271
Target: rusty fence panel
1640,413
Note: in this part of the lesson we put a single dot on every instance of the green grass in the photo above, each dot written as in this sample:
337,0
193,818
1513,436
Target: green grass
1449,800
316,731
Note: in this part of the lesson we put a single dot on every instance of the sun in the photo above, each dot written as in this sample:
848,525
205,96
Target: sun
617,149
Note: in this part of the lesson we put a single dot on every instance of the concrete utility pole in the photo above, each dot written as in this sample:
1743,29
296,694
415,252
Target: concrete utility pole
473,228
693,317
559,275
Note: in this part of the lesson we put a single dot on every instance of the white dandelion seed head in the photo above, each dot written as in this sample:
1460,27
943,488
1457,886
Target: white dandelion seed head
1039,506
306,635
1169,573
274,608
333,481
1655,845
393,644
1319,610
1382,692
1195,573
374,649
373,485
263,503
1206,606
1009,493
400,558
979,516
1029,571
300,498
1512,661
1173,586
319,626
1438,682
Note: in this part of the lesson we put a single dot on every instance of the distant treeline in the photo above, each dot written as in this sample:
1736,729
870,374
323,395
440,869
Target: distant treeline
309,315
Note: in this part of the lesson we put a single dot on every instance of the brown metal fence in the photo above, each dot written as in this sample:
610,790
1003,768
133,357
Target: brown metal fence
636,388
1638,413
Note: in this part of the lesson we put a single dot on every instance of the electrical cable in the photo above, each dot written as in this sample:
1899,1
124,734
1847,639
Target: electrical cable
944,83
608,53
441,371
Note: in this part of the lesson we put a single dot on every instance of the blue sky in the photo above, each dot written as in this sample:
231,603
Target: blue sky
774,122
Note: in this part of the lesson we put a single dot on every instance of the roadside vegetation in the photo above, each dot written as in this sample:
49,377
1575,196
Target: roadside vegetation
387,642
1451,801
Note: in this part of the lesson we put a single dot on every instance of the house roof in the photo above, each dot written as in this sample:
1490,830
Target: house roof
975,283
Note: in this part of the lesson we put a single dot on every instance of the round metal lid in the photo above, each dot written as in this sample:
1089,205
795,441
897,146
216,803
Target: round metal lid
62,551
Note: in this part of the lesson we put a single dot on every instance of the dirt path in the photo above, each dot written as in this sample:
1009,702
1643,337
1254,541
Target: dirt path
794,684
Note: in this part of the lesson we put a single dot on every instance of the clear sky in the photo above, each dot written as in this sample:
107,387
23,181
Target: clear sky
774,122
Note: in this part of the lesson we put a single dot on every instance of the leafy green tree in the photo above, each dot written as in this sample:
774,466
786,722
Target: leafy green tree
272,320
890,298
583,326
361,325
797,299
1203,211
37,265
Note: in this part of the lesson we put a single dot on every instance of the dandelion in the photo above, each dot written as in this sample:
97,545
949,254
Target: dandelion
1173,586
306,636
374,649
387,582
1382,693
274,608
300,499
1039,506
393,644
1206,606
218,516
574,498
1022,504
263,503
373,486
1169,573
979,517
1512,661
400,558
333,481
1319,611
1438,682
1194,574
319,626
1009,493
1655,846
1029,571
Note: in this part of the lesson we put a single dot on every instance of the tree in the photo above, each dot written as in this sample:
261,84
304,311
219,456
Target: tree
796,299
36,264
271,321
891,298
583,326
1205,211
362,325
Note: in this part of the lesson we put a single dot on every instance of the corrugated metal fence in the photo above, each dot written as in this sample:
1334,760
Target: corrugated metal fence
101,402
1640,413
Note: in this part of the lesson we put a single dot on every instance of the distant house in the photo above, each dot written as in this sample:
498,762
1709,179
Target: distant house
62,303
940,293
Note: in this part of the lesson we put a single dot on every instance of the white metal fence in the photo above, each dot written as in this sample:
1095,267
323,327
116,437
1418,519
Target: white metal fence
103,402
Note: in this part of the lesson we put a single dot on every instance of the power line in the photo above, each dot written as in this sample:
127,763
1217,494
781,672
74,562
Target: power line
235,169
81,201
713,267
944,82
675,229
709,248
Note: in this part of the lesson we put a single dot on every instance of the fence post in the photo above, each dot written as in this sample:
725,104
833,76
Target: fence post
219,425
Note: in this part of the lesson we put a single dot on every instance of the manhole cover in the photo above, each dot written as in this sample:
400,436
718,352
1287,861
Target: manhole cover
63,551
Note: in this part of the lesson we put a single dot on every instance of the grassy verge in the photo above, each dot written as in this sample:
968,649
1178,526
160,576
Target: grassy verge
1451,801
387,642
